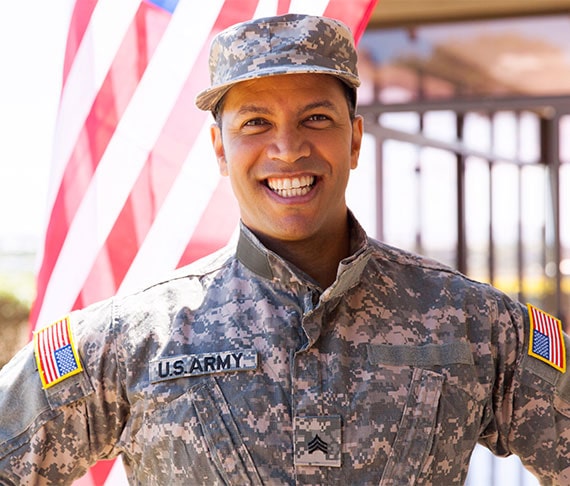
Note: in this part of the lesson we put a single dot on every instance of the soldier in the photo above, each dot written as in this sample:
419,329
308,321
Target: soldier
306,352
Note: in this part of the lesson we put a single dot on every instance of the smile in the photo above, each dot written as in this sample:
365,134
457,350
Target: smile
291,187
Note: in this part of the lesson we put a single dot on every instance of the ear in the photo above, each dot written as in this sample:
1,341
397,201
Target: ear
217,143
357,131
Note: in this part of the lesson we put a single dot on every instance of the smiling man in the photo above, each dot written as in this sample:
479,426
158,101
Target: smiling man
288,144
306,352
287,134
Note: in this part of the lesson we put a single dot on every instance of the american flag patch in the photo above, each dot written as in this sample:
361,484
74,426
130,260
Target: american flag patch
546,338
56,355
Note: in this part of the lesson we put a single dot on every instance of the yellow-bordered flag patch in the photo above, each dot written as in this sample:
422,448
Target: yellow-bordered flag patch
546,338
56,356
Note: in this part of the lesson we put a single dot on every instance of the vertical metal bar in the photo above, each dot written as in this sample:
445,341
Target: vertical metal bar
491,243
379,142
520,242
555,187
420,94
460,175
550,139
374,119
491,261
418,185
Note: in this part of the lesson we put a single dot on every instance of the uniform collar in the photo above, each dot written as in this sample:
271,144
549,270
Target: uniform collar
267,264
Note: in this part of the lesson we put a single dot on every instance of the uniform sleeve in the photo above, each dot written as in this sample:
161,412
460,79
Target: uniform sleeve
531,397
53,435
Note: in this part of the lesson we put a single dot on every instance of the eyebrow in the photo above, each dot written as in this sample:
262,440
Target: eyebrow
252,108
329,105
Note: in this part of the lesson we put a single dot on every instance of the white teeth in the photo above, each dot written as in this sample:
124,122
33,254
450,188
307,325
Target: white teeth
291,187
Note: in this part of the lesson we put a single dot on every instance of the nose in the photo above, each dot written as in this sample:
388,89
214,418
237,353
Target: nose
289,145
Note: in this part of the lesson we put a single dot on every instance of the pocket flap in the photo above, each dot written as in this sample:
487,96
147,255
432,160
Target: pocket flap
420,356
222,435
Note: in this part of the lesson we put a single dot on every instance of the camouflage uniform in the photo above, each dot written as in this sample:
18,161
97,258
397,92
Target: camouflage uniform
240,370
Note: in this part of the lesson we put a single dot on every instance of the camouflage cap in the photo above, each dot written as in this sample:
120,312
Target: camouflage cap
286,44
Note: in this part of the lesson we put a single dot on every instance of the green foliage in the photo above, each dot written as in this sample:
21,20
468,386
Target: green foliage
12,309
16,294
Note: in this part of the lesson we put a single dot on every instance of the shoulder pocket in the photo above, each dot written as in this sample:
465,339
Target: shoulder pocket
68,391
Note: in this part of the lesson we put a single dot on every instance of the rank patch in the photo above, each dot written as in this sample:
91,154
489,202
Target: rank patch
56,356
546,341
318,441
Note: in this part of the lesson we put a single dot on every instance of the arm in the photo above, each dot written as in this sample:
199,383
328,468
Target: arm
55,434
531,401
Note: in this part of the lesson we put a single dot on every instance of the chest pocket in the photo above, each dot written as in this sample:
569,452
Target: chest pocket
222,436
193,439
416,430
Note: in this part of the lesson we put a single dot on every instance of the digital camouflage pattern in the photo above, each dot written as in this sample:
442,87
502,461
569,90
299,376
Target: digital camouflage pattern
286,44
318,441
402,361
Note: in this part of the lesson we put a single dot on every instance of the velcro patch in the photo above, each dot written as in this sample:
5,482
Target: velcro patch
318,440
546,341
202,364
56,355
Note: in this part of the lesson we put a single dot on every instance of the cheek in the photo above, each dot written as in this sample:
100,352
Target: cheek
240,161
237,174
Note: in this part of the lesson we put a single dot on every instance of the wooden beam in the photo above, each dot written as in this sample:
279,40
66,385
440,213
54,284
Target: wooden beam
413,12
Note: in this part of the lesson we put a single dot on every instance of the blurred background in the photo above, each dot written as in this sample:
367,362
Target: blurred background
467,154
32,43
468,108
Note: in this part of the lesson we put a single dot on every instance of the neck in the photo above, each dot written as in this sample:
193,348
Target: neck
318,257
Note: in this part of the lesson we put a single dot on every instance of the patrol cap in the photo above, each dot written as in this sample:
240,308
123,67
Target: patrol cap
285,44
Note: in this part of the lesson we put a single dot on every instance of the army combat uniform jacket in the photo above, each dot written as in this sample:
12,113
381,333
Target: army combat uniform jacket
240,370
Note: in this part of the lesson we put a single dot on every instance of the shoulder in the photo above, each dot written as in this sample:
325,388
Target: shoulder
204,268
412,267
190,281
444,299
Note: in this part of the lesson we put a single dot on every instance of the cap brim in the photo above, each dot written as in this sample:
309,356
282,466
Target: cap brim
209,98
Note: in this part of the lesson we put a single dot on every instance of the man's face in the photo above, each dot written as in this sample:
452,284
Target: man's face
288,144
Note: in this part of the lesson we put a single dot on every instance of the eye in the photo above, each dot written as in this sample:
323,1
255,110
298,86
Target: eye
318,121
255,122
255,125
318,117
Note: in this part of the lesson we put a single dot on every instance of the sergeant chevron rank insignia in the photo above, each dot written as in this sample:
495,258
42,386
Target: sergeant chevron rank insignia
173,367
318,441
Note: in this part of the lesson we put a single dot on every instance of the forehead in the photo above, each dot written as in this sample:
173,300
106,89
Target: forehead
288,87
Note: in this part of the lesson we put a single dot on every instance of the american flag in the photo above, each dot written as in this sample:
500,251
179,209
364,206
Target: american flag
546,339
55,351
134,188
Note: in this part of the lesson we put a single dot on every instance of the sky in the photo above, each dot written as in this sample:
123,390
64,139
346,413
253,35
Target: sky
32,39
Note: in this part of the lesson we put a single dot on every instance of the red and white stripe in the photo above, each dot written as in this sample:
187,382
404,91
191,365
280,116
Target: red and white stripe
550,327
134,188
48,341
